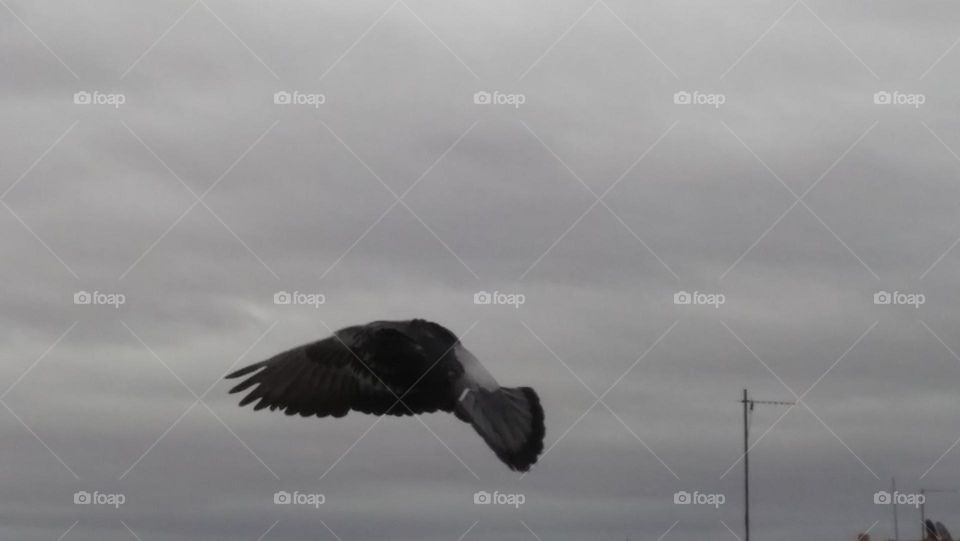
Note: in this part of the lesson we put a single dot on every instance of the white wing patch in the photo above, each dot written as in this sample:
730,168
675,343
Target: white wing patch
474,372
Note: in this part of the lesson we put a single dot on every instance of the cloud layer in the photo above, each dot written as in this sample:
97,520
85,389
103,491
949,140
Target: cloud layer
796,158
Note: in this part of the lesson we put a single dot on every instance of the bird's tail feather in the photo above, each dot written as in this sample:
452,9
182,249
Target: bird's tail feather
510,420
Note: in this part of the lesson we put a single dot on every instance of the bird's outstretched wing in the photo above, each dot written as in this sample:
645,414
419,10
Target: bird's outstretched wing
360,368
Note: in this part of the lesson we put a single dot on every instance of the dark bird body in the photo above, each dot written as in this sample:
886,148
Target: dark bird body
398,368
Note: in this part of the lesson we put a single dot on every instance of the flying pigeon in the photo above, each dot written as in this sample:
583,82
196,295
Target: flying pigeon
931,531
398,368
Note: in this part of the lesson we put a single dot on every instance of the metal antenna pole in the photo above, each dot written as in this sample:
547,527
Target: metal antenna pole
746,468
748,405
923,514
893,496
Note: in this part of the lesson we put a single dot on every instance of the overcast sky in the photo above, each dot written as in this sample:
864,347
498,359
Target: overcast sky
147,161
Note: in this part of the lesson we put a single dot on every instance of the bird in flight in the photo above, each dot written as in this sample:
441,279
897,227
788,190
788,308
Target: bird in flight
398,368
